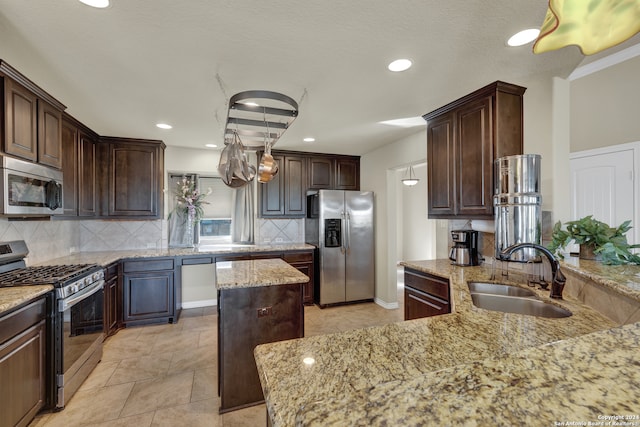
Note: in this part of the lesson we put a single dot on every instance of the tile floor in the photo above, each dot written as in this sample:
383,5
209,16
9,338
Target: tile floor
166,375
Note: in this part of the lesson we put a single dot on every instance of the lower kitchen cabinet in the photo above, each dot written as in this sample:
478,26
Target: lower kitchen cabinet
150,291
425,295
112,300
24,369
248,317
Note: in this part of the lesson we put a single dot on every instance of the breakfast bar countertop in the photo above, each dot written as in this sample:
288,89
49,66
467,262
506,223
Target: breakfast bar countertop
256,272
393,373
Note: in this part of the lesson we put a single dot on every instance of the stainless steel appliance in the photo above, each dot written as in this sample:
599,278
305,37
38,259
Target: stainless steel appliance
465,247
518,204
78,321
340,224
29,189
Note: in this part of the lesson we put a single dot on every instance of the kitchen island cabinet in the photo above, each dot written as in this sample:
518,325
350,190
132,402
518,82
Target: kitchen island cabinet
425,295
259,301
25,359
464,138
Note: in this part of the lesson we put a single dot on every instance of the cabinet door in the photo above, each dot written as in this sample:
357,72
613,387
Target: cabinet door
419,304
88,190
272,192
474,155
321,173
134,180
295,201
70,168
347,174
148,296
441,180
20,121
22,375
49,135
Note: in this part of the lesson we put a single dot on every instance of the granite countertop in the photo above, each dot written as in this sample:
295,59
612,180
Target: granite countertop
624,279
14,296
257,272
105,258
349,366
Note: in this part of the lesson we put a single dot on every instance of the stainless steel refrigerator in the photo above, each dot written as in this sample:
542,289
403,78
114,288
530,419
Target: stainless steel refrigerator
340,224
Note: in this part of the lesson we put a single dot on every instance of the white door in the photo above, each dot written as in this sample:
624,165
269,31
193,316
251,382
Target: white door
602,185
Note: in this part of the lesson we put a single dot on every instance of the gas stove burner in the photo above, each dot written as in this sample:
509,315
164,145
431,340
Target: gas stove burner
56,275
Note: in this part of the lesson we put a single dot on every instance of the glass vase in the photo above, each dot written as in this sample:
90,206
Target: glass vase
188,240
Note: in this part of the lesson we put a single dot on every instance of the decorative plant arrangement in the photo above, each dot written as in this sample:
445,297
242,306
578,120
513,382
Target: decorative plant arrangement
189,200
608,244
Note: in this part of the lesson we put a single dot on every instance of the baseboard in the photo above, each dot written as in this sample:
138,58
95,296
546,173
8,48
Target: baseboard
387,305
201,303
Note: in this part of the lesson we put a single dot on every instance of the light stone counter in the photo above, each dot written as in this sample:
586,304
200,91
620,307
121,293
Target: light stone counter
623,279
105,258
257,272
14,296
350,366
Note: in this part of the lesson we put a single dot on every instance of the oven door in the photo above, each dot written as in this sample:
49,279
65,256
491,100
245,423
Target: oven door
80,333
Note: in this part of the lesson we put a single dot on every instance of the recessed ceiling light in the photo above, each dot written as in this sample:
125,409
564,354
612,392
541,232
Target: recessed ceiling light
100,4
210,145
400,65
523,37
407,122
164,126
309,139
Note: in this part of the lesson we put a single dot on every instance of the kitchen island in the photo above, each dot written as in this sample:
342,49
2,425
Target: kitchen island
460,368
259,301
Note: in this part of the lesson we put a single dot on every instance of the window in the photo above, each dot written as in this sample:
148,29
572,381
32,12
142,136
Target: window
215,226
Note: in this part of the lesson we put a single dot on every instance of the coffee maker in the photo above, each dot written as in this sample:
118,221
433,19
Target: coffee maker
465,247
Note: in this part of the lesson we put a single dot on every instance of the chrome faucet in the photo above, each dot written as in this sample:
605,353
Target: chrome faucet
557,285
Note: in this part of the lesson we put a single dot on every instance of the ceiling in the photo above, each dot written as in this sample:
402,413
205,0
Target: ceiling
123,69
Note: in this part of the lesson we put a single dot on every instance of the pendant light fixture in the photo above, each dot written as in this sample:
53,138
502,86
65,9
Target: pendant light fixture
411,180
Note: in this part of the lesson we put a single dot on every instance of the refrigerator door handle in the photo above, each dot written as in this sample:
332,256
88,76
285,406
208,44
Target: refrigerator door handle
343,232
347,245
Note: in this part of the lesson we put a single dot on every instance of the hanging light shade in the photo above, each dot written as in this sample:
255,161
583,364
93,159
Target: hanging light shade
410,178
591,25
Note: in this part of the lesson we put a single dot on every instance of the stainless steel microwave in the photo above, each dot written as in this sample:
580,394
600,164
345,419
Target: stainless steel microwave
29,189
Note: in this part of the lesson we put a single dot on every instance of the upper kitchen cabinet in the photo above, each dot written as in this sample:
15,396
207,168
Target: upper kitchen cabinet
133,169
464,138
32,120
333,172
284,196
79,166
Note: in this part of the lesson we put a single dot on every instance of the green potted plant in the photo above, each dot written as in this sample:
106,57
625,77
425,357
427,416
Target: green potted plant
597,240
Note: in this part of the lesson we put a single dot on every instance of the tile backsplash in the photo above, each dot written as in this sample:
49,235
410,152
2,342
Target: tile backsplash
279,230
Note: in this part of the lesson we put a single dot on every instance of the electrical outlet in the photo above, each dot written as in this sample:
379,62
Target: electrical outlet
151,245
279,240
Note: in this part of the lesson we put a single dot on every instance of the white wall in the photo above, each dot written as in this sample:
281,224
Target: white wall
378,174
416,233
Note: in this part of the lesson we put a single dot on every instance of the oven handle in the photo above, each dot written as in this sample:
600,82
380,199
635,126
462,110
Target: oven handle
70,301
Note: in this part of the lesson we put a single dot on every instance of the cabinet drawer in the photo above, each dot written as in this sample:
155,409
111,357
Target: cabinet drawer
149,265
298,257
21,319
197,260
433,285
111,270
419,304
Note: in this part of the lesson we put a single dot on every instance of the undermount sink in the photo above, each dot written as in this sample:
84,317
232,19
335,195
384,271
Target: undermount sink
512,299
499,289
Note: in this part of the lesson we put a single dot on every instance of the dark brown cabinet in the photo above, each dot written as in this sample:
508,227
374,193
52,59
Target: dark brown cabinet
463,140
134,177
425,295
332,172
248,317
23,363
79,166
32,120
112,300
150,291
285,195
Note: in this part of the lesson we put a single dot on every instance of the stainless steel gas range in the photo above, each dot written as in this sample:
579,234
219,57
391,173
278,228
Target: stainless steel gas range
77,319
